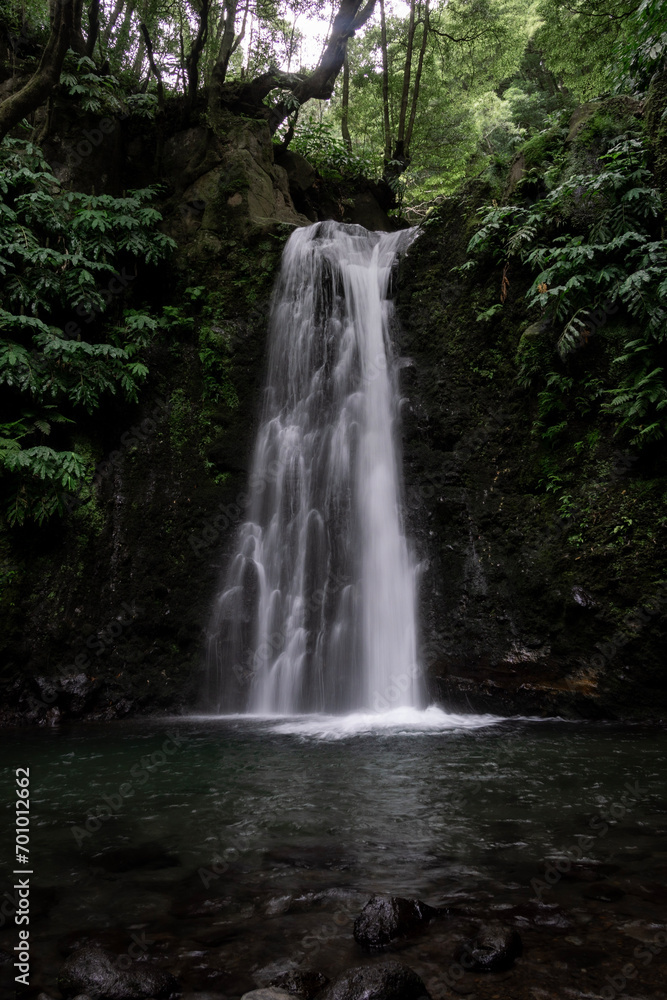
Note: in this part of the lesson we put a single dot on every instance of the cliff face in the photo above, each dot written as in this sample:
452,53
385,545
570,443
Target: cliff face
527,605
544,588
104,613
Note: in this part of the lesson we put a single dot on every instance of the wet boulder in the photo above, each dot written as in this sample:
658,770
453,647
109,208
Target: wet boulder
388,981
101,975
386,920
493,949
304,983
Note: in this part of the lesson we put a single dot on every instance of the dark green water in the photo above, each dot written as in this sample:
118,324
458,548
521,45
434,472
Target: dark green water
294,824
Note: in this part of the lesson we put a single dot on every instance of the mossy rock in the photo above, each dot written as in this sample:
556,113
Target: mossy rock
594,125
535,347
656,129
541,147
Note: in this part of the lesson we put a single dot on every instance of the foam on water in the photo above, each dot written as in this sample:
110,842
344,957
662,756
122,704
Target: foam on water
398,721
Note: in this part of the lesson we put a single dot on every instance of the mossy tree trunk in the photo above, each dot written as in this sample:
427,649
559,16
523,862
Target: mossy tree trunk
41,84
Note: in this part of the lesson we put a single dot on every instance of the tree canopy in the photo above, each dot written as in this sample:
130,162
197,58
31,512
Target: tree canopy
423,81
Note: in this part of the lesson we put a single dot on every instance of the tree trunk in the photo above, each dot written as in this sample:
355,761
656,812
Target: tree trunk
160,117
241,35
399,151
93,26
224,52
247,98
418,77
245,70
139,59
38,88
320,83
385,85
344,126
115,14
192,59
77,42
154,68
124,31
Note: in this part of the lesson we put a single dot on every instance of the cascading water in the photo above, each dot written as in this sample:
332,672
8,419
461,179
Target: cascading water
317,613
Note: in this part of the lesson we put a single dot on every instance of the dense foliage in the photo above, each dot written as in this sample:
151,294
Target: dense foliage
65,260
441,90
612,263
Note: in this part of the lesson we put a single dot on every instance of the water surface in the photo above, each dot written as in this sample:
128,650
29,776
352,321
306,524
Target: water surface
263,828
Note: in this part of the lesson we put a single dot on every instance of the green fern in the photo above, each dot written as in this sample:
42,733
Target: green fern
616,266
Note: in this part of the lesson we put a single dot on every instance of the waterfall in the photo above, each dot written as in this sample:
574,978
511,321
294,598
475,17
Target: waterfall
317,612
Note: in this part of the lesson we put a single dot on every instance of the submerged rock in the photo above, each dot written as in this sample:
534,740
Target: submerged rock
389,981
151,855
605,892
113,939
98,973
493,949
301,982
387,919
267,993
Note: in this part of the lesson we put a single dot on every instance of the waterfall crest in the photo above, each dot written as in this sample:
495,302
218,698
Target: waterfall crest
317,612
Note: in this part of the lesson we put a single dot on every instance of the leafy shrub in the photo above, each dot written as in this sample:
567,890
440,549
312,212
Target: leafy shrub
642,51
64,257
93,91
618,264
323,147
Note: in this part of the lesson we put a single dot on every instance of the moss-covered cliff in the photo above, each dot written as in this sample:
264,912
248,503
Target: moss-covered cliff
542,529
104,613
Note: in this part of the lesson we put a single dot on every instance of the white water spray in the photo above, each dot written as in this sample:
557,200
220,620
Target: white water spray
317,613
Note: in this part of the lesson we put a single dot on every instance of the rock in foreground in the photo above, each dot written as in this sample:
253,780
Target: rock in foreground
301,982
267,993
493,949
385,920
97,973
389,981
